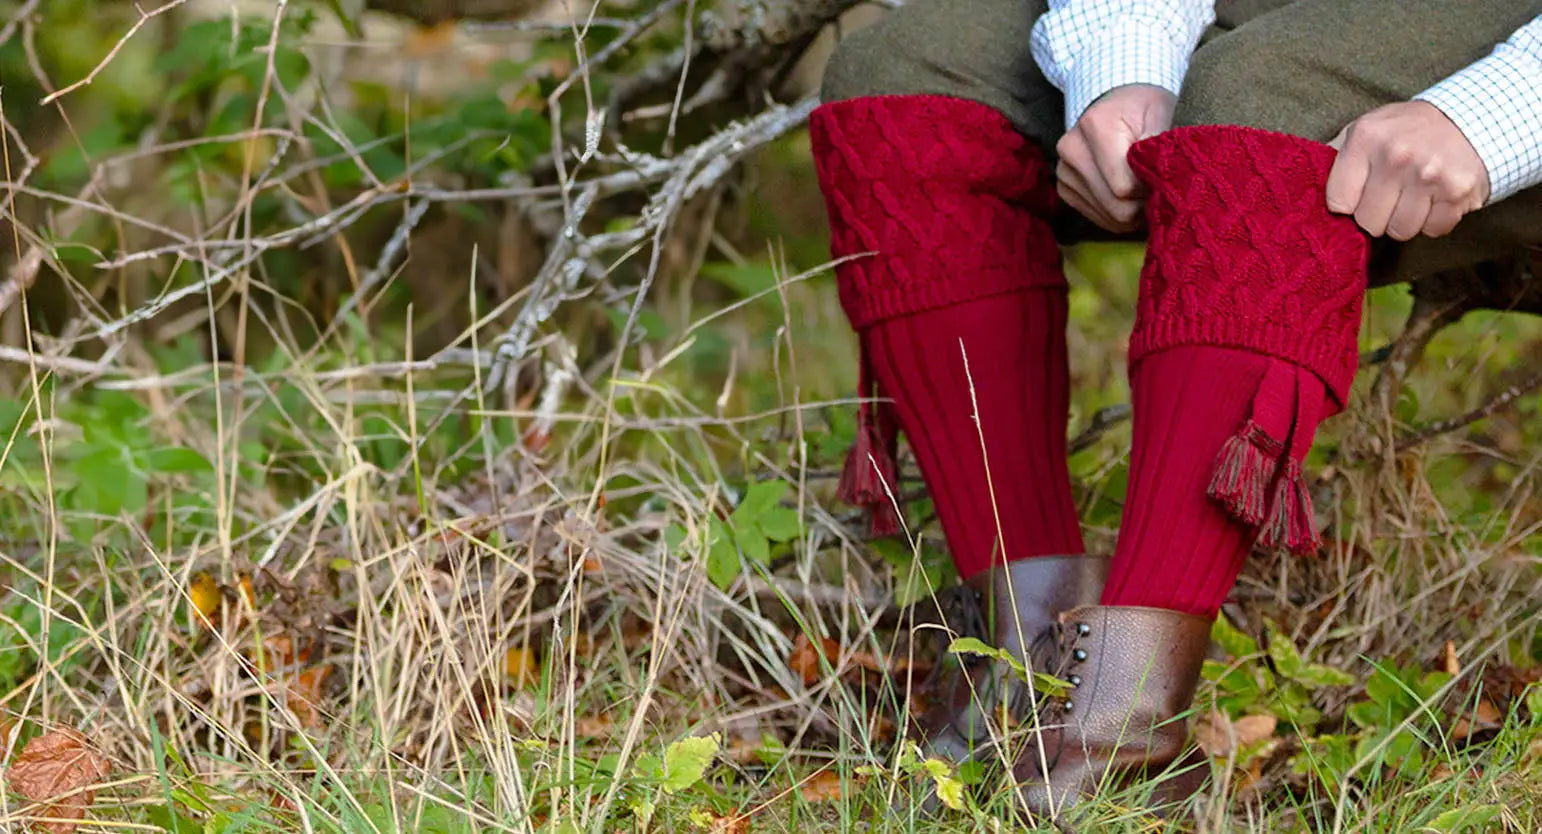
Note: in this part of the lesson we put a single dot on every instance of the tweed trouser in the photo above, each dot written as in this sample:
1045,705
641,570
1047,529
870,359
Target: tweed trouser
1305,68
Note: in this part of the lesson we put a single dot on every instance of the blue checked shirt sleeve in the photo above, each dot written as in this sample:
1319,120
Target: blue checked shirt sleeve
1497,103
1088,47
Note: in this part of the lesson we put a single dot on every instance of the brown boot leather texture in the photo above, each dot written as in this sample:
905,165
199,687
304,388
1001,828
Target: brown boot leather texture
1133,673
1018,604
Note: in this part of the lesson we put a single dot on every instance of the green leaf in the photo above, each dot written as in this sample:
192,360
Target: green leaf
1232,641
754,545
166,819
1316,676
723,563
1048,684
1461,819
108,484
949,789
176,459
686,761
1282,650
762,496
780,524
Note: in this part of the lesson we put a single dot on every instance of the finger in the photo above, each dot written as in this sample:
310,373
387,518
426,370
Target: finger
1442,219
1377,201
1119,214
1410,214
1109,154
1346,180
1073,189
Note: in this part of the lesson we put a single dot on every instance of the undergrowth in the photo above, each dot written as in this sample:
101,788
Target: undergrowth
308,550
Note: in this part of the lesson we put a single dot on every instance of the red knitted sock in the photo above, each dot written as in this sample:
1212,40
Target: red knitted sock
1179,548
1244,340
938,209
1014,501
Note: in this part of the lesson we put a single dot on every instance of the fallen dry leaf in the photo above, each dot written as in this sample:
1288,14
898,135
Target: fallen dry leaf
1219,736
206,597
598,725
519,663
821,787
804,660
1485,717
723,824
56,770
304,697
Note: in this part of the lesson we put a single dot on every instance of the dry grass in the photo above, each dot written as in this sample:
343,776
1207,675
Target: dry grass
463,586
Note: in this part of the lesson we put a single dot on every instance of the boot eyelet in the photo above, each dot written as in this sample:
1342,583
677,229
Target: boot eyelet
1075,680
1082,629
1080,655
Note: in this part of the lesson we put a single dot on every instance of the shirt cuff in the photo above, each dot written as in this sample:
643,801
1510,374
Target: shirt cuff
1497,104
1130,50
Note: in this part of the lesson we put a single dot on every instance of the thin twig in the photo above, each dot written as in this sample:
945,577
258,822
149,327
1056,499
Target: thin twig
1504,398
144,17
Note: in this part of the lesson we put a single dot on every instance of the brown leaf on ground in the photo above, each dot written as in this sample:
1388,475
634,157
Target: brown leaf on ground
727,824
206,597
1485,716
519,663
598,725
304,697
804,660
56,770
821,787
1219,736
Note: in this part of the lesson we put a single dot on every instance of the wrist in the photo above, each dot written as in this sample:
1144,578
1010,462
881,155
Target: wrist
1129,52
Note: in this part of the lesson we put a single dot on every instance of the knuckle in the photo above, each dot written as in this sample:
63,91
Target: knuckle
1399,153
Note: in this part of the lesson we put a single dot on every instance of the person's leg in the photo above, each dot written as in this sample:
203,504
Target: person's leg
1304,71
929,152
1246,337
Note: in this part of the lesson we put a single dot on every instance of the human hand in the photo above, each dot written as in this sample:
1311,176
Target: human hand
1405,169
1093,175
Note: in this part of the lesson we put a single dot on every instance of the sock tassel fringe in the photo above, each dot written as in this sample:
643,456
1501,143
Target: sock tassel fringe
868,477
1268,450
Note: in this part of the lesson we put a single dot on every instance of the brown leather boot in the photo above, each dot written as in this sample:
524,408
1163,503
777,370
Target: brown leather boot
1133,673
1020,602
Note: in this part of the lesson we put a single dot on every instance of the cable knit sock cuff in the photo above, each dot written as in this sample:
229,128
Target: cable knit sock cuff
1244,252
935,200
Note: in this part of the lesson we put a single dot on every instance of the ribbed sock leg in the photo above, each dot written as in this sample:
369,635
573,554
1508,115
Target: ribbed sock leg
1016,349
1178,549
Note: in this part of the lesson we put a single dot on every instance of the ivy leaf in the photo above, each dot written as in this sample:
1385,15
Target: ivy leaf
686,761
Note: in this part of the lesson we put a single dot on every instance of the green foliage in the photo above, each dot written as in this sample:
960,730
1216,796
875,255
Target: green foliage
757,525
1281,687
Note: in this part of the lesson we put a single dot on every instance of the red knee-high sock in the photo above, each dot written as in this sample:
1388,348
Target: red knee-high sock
939,209
1245,339
1013,500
